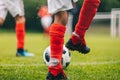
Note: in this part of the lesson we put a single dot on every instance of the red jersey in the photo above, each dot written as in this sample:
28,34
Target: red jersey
43,11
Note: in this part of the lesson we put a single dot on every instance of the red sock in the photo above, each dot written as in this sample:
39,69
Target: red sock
76,39
87,13
20,34
56,45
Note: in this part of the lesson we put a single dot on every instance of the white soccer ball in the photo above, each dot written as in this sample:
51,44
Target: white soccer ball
65,57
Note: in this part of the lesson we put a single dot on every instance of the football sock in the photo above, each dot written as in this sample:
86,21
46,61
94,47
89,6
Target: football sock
56,46
87,13
20,50
20,34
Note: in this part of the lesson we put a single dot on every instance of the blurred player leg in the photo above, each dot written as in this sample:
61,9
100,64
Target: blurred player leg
46,18
46,22
16,8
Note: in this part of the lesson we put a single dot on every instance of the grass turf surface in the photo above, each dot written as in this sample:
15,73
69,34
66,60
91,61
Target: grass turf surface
102,63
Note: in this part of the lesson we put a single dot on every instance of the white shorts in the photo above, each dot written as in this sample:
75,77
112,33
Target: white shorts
55,6
46,21
15,7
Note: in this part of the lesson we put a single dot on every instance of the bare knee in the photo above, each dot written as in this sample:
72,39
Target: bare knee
61,17
19,19
1,21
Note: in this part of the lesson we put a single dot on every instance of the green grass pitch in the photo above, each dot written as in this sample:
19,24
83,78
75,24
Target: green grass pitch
102,63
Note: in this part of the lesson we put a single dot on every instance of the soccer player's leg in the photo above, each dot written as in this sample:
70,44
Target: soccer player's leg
57,31
77,41
20,34
16,8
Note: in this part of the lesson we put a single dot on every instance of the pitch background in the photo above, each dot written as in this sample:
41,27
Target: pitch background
102,63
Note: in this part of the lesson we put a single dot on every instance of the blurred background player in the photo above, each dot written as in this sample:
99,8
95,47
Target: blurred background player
57,30
46,18
16,9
